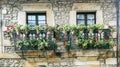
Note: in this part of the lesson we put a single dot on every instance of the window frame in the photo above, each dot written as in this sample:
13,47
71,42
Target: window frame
36,15
85,14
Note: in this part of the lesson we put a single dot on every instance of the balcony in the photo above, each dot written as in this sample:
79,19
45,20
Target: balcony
57,41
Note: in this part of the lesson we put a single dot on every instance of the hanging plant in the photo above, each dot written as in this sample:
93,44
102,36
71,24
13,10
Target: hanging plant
25,29
73,29
81,28
100,28
38,29
49,29
18,29
66,28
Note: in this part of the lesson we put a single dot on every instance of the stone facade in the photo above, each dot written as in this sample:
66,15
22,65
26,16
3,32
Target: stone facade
58,13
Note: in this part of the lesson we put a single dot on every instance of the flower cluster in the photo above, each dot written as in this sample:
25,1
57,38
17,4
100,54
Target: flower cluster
9,29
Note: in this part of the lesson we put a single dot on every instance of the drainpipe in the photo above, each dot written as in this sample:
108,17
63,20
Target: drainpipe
117,15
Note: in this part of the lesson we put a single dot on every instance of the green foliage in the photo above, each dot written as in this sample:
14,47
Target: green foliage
18,27
49,28
81,27
111,43
68,43
67,27
25,28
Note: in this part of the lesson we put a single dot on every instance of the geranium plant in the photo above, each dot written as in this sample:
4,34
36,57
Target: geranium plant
9,31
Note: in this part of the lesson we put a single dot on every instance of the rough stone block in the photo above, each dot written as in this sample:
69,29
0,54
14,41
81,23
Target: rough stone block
111,61
88,66
110,54
90,53
92,62
64,63
65,55
78,63
83,58
79,53
53,59
92,58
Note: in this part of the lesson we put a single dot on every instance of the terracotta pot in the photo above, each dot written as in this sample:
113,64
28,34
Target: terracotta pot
90,31
100,31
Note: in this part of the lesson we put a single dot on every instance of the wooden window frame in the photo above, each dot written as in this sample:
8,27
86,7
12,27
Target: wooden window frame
85,13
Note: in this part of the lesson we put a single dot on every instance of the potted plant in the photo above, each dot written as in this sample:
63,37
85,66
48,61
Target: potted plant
79,42
38,29
90,43
90,28
43,44
111,43
25,29
111,30
85,44
66,29
73,29
49,29
67,44
100,28
18,29
81,28
33,43
9,31
23,44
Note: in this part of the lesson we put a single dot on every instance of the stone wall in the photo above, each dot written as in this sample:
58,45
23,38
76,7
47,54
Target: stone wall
59,14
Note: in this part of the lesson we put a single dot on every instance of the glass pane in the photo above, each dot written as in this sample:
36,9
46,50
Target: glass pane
81,21
41,17
80,16
41,23
31,23
90,16
90,22
31,17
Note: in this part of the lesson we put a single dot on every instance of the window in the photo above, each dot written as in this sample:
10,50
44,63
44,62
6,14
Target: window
88,18
36,19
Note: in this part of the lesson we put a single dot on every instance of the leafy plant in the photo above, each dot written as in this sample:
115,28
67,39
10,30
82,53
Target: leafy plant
66,43
25,28
67,27
38,29
42,44
100,26
49,28
81,27
18,28
111,43
111,29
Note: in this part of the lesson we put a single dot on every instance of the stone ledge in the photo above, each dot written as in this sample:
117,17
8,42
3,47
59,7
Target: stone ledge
88,66
111,61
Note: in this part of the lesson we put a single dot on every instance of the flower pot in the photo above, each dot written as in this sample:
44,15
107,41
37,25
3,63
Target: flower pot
81,31
37,31
90,31
48,32
100,31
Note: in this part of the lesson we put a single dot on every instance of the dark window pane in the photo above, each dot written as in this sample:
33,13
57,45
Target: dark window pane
31,17
80,16
41,23
90,22
90,16
41,17
31,23
81,21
